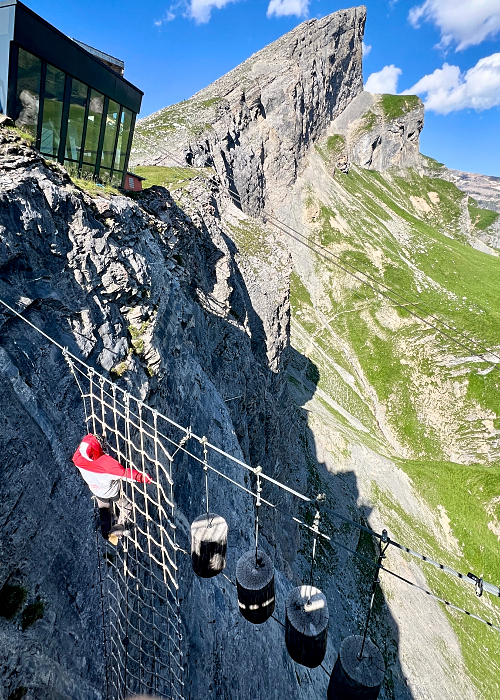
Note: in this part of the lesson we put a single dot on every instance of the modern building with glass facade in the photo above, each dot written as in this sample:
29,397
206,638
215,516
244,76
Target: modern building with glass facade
71,98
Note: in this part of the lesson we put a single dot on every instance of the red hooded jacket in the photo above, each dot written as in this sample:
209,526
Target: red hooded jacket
101,472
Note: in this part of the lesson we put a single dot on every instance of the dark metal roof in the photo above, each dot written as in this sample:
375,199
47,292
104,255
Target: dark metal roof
45,41
101,54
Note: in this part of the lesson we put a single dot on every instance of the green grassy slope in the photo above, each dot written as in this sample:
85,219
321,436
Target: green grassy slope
427,401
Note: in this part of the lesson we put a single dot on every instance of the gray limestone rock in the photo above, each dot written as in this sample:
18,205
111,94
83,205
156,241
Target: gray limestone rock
87,271
485,189
381,131
256,124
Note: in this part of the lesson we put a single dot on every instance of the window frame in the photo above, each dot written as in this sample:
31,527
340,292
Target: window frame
66,102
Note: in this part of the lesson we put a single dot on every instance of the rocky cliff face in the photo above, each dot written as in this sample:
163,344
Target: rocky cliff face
381,131
256,123
213,318
88,272
355,398
484,193
485,189
400,415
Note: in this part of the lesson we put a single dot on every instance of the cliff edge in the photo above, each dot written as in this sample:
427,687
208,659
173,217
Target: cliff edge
256,123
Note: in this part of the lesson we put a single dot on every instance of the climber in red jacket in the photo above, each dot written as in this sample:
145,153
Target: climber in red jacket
102,474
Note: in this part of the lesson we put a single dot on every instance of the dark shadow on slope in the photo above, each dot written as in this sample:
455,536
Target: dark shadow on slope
209,355
338,572
272,431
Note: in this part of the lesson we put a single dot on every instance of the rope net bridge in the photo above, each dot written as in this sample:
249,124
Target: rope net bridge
141,615
142,634
139,583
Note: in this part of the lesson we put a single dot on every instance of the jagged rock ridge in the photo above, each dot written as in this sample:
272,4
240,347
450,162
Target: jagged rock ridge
256,123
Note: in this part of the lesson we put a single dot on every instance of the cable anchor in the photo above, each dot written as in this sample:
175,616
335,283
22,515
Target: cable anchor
376,581
479,583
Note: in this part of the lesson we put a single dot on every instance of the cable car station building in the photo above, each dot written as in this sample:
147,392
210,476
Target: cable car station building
70,97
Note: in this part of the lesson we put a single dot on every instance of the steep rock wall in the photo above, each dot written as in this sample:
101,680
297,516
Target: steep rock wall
381,131
256,123
87,271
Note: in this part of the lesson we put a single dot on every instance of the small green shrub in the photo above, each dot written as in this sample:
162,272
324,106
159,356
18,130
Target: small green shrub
32,613
25,135
11,600
120,369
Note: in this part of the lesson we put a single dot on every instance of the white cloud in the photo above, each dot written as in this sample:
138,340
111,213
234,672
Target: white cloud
449,90
170,14
201,10
283,8
464,22
366,49
385,81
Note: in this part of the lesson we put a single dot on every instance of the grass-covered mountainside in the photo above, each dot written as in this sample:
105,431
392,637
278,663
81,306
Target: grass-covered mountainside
390,382
395,353
386,384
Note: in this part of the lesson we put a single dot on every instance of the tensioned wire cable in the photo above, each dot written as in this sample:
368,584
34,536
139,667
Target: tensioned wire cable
370,562
313,529
369,279
488,587
341,265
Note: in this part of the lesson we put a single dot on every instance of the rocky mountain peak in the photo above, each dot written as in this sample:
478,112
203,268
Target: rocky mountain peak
256,122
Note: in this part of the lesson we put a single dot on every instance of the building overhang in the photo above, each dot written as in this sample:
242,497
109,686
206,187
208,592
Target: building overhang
42,39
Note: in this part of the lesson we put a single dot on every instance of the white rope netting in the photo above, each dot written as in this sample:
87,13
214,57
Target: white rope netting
139,576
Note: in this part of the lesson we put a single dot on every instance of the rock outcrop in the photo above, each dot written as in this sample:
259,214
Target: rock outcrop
485,189
256,123
381,131
90,273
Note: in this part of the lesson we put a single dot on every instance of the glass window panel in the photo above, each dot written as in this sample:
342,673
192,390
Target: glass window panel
123,135
29,70
52,110
76,119
110,134
105,176
117,178
93,127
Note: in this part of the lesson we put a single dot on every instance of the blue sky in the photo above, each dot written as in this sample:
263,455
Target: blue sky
447,50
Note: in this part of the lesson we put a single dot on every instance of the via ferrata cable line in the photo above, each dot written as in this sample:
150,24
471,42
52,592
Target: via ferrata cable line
368,280
488,587
115,418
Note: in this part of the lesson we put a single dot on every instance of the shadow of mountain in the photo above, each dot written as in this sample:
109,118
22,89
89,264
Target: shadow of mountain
338,572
